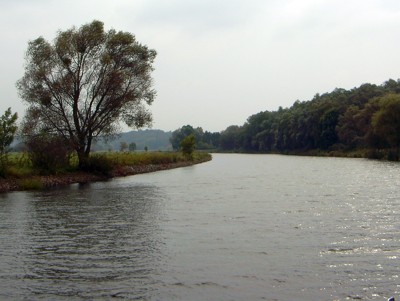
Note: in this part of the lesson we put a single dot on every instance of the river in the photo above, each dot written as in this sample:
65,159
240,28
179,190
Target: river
240,227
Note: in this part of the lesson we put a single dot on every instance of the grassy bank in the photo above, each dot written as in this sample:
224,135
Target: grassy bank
21,175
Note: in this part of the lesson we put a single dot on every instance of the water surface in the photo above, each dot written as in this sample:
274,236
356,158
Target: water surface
241,227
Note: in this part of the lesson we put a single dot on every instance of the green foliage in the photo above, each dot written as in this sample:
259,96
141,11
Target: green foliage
386,121
179,134
188,146
366,117
19,165
19,171
8,128
231,138
204,140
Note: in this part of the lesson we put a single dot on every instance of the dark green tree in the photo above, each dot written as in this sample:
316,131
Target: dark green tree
188,145
386,121
180,134
8,129
348,130
86,82
132,147
231,138
328,123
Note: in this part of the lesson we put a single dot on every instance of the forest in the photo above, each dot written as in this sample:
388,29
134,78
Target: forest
363,121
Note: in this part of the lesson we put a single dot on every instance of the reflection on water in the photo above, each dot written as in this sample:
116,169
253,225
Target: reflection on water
80,243
241,227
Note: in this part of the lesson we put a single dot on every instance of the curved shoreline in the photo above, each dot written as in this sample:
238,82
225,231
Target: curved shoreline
54,181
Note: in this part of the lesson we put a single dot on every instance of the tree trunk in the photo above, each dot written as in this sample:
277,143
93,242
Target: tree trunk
83,158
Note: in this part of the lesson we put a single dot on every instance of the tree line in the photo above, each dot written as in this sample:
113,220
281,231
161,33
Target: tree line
364,119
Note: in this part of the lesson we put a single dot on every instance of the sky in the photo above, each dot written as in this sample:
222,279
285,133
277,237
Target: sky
220,61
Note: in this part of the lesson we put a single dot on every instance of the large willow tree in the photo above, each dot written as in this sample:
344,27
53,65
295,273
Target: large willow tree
85,83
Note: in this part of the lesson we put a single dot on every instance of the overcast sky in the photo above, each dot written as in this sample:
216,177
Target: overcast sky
220,61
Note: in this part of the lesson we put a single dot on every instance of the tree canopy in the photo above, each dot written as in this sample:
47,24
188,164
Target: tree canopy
366,117
203,139
85,83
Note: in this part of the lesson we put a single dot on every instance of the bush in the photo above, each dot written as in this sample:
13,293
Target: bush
47,153
100,164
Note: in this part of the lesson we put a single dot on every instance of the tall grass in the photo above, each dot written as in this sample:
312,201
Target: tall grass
147,158
142,158
19,165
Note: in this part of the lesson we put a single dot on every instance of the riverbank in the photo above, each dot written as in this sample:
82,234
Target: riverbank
374,154
39,182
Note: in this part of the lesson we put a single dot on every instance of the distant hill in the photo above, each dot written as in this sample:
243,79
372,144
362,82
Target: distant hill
153,139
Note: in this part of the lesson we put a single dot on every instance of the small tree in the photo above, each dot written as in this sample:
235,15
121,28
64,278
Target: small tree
187,146
132,147
8,128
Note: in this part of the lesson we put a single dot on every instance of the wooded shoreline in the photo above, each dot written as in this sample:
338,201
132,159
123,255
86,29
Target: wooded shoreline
43,182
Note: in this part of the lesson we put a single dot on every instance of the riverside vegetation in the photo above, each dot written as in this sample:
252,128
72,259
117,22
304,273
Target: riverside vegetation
21,174
47,161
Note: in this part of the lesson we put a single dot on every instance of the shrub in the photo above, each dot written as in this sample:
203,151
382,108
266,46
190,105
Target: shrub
48,153
100,164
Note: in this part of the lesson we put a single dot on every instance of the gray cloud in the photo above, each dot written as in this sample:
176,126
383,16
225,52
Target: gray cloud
221,61
198,16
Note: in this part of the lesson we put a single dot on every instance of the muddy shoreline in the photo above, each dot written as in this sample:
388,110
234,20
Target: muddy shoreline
54,181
